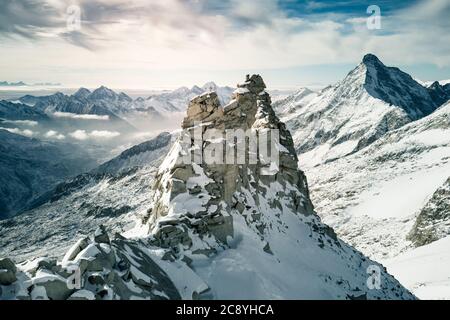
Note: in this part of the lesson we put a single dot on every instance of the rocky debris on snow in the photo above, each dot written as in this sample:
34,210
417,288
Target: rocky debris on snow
97,268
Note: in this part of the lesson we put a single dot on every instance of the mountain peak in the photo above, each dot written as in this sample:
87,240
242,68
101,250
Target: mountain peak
82,93
210,86
371,59
255,84
103,92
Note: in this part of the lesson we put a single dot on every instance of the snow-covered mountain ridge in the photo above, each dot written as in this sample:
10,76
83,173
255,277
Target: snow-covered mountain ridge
342,119
215,231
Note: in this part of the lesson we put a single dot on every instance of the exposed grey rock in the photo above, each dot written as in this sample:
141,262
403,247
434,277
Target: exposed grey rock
267,249
82,295
7,272
100,235
8,264
432,222
250,109
56,289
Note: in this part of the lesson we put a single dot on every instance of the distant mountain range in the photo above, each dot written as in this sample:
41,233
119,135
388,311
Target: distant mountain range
104,101
23,84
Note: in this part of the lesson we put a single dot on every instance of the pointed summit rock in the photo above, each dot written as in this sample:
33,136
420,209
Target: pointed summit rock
103,93
201,197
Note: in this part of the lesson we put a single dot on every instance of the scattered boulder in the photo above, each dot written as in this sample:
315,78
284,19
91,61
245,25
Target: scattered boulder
267,249
73,252
101,236
7,272
82,295
56,287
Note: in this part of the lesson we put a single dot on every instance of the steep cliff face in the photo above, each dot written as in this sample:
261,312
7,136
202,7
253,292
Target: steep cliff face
221,225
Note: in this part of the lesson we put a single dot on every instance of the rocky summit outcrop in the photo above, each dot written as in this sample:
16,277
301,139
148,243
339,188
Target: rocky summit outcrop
199,197
227,220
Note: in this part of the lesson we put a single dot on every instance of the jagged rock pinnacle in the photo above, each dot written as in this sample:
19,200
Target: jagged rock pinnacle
217,191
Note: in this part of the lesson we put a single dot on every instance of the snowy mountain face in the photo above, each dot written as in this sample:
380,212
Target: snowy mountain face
210,231
372,100
19,111
29,167
292,103
377,162
439,93
372,197
424,269
109,195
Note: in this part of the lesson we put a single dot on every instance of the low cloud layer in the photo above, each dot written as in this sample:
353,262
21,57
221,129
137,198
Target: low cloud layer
26,132
69,115
95,134
29,123
51,134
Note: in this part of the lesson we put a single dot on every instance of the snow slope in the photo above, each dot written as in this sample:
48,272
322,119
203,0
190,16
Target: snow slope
424,270
372,197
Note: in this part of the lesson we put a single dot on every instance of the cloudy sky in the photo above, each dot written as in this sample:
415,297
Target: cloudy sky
168,43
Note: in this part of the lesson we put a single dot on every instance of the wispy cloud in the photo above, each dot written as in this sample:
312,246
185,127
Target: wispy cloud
30,123
51,134
79,135
96,134
29,18
26,132
80,116
104,134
